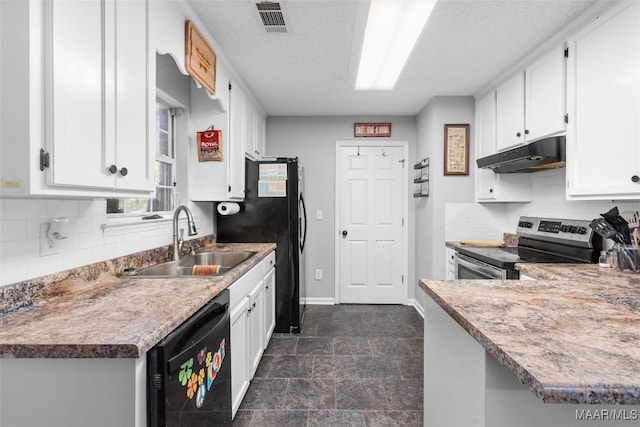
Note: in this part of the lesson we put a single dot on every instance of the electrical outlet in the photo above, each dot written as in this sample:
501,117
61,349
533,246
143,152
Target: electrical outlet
318,215
318,274
47,245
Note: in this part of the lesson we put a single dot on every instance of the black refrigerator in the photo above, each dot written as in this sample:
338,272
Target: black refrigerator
273,210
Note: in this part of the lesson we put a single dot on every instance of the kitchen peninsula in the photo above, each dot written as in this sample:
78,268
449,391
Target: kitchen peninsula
555,352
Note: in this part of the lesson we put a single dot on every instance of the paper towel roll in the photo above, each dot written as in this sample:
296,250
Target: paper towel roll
228,208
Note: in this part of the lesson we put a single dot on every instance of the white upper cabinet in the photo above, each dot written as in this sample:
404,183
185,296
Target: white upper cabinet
100,137
237,140
90,65
254,124
510,113
603,135
531,105
545,96
492,187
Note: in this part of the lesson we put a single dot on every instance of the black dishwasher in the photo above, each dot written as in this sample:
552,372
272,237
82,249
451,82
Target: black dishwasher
189,371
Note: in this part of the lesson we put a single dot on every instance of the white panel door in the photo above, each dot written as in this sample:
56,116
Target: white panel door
371,241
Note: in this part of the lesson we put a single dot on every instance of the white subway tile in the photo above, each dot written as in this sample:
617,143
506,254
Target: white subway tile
25,209
11,231
12,272
61,208
94,207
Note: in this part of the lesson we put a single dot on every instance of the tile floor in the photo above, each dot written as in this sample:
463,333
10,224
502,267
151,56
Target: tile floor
352,365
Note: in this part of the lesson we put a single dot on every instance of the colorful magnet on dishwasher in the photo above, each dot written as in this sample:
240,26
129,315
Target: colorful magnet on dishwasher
202,391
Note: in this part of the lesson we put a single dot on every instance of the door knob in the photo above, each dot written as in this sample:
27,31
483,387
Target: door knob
113,169
344,233
124,171
635,178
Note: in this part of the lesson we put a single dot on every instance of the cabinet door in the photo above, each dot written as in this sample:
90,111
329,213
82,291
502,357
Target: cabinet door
236,143
510,113
240,376
134,107
256,327
261,135
75,107
250,147
269,305
603,152
450,266
486,137
546,96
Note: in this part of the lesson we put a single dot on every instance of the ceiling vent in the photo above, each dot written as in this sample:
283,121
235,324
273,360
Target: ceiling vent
272,16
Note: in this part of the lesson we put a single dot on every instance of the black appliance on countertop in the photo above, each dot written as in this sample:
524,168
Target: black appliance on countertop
540,240
189,371
273,210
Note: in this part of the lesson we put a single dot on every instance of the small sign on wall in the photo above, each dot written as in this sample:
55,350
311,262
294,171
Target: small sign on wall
366,130
209,145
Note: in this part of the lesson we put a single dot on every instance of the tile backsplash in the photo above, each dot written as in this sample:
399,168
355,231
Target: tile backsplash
21,221
490,220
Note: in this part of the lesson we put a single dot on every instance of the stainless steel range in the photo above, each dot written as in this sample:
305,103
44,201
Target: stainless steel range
540,240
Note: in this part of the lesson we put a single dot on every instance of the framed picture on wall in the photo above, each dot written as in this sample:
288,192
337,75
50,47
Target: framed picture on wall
456,149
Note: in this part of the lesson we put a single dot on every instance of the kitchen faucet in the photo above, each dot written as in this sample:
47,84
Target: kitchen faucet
178,241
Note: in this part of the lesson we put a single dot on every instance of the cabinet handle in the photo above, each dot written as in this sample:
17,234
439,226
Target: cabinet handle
254,305
113,169
635,178
526,131
249,310
124,171
518,134
491,190
267,287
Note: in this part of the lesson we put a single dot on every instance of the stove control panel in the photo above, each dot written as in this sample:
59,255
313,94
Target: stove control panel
571,231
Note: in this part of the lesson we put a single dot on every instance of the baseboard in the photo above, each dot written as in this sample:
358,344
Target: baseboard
319,301
415,304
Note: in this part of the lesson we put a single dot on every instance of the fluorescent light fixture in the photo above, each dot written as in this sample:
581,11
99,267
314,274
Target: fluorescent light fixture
393,27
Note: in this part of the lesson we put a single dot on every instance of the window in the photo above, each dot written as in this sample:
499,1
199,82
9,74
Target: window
164,173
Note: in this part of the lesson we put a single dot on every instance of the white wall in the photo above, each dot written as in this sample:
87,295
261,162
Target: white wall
313,140
430,211
21,219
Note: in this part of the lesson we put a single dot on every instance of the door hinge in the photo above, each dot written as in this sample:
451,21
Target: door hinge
402,278
229,85
566,52
403,222
566,118
44,159
402,161
229,188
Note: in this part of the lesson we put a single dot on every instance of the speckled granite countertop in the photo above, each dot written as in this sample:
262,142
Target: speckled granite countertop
572,337
111,317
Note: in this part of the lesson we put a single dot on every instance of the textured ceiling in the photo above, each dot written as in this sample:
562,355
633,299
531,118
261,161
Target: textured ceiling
311,69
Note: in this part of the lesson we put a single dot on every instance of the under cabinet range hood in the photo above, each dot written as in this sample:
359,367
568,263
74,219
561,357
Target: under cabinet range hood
548,153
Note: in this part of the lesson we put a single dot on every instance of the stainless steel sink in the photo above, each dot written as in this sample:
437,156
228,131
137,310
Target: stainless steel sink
225,259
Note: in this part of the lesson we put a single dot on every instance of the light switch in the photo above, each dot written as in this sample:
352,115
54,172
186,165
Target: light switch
318,215
318,274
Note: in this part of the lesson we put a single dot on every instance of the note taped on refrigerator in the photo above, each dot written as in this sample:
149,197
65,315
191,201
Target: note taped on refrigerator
272,188
273,172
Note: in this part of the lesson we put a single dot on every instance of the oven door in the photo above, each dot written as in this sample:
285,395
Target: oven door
471,268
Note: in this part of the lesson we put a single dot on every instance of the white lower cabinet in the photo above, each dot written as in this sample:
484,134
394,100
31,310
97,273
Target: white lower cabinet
450,266
252,314
270,302
239,353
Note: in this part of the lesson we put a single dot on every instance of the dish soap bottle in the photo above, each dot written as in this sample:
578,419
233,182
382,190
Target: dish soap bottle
602,261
